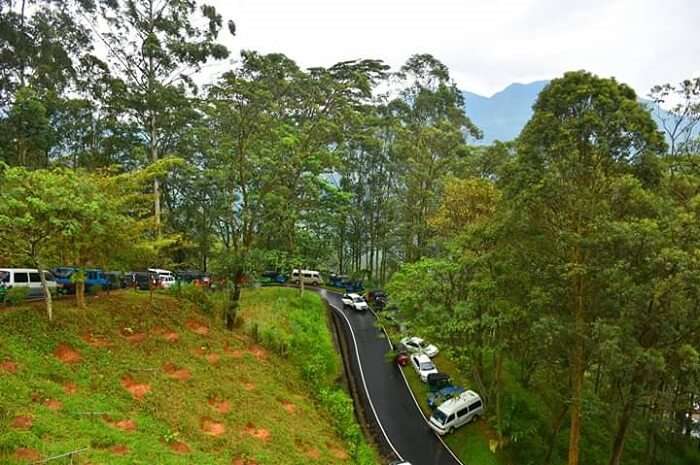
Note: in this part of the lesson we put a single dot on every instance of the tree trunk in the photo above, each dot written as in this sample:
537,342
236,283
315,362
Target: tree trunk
558,422
623,424
156,182
80,293
47,294
234,302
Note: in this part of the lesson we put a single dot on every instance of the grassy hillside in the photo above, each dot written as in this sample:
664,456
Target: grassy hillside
161,384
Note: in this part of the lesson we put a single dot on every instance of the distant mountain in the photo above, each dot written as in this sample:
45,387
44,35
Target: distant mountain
504,114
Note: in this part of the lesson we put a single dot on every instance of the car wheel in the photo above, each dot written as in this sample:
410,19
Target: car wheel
451,430
475,418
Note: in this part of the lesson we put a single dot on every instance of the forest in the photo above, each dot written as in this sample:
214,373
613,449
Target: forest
560,270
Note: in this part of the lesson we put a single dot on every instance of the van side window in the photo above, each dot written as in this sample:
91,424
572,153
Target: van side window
475,406
450,418
4,277
464,411
21,278
34,278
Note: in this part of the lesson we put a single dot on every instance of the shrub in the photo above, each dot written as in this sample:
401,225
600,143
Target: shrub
16,295
193,294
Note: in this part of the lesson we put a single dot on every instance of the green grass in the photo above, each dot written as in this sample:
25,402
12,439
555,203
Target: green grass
259,385
299,328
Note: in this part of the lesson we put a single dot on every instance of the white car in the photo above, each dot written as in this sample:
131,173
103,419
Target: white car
354,301
423,366
417,345
29,278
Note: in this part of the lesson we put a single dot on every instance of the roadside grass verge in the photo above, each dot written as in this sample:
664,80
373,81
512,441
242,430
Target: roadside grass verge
136,383
298,326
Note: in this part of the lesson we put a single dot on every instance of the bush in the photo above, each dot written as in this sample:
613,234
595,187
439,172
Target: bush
16,295
193,294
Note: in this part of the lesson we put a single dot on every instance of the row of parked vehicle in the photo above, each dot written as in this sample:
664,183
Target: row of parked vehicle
453,406
61,280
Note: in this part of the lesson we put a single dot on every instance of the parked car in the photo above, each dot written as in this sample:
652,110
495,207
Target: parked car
272,277
440,396
437,381
423,366
338,280
165,278
29,278
93,277
402,357
355,302
456,412
310,277
144,280
377,298
418,345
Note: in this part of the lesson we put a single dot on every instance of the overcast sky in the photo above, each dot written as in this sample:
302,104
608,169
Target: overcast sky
487,44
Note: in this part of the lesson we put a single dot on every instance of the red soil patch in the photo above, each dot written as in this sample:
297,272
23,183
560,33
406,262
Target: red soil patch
96,341
8,366
124,425
132,337
258,433
243,461
119,449
70,388
179,447
249,386
53,404
213,358
198,327
173,372
258,352
288,406
21,422
339,453
235,353
67,354
28,455
313,453
137,390
170,336
211,427
221,406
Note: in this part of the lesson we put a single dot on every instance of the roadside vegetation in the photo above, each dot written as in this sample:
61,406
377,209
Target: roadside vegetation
132,381
559,272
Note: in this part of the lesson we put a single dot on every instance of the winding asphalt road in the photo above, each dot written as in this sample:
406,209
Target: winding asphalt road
402,422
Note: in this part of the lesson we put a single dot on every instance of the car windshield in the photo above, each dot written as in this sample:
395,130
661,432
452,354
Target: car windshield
425,366
358,299
440,416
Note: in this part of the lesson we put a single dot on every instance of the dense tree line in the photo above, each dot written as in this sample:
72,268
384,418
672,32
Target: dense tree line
565,279
563,264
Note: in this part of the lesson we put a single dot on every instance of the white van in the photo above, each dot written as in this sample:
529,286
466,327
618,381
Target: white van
309,276
29,278
165,278
458,411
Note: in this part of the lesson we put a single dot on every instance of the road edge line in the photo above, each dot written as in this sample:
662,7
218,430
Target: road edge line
364,382
415,401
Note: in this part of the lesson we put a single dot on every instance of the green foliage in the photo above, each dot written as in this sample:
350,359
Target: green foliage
16,295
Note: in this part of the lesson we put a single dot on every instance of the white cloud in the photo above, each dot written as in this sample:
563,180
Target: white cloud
486,43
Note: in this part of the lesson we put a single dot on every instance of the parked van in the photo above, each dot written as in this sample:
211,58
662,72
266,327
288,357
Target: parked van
165,278
458,411
29,278
309,276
